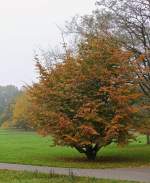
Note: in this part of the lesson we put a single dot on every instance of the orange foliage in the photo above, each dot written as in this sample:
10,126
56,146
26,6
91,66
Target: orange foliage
88,100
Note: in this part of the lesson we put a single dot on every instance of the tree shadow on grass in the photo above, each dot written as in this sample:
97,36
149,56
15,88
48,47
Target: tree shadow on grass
103,160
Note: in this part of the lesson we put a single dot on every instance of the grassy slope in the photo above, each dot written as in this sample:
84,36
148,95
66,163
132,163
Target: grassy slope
24,177
28,148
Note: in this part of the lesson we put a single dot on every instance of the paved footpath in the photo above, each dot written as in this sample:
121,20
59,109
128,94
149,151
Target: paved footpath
132,174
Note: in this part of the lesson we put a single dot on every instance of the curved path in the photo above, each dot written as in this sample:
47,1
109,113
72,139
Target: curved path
132,174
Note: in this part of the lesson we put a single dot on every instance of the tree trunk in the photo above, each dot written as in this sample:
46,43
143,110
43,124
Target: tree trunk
89,151
148,138
91,155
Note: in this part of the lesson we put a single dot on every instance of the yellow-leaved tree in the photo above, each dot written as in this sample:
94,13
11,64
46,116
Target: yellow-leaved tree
20,117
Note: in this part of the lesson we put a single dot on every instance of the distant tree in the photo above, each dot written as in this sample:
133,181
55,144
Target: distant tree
6,116
7,98
20,112
129,20
89,99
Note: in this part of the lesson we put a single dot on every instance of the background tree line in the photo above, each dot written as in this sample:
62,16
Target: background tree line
13,107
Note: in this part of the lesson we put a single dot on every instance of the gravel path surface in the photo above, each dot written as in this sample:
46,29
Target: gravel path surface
132,174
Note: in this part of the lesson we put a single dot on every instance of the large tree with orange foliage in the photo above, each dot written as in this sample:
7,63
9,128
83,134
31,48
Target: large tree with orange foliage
89,99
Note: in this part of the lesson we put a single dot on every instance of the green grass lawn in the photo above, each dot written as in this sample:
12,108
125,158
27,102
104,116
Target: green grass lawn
29,148
25,177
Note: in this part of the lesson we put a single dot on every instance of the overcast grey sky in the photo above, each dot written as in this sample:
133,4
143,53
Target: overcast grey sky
26,25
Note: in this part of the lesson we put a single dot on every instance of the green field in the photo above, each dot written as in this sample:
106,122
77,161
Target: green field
29,148
24,177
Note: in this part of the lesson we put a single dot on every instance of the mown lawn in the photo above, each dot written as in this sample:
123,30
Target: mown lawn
25,177
29,148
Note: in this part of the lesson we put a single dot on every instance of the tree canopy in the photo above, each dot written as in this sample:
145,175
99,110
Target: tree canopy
89,99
